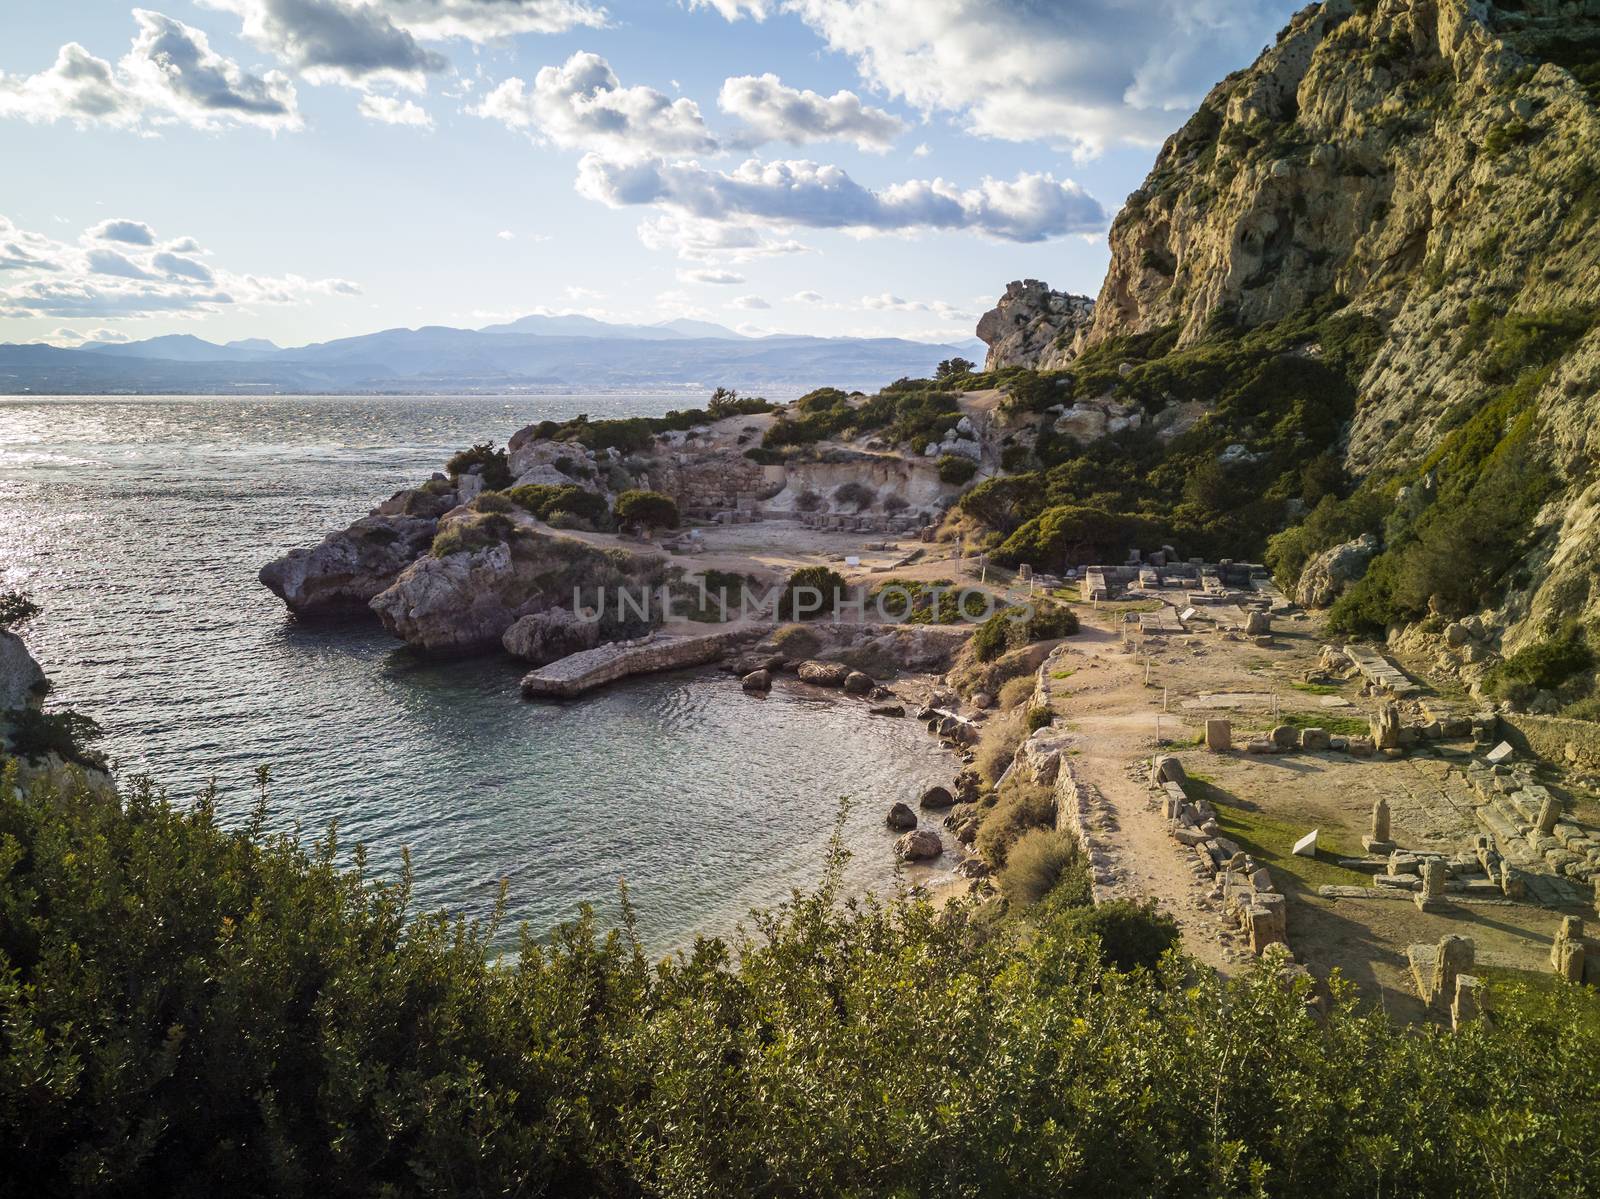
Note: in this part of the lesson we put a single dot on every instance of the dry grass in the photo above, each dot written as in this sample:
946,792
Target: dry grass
1016,691
1021,808
998,745
1036,863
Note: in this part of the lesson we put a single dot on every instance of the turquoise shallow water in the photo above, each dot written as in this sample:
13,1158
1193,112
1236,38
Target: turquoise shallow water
140,525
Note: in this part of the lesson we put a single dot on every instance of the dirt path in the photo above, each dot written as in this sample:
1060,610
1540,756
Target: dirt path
1115,718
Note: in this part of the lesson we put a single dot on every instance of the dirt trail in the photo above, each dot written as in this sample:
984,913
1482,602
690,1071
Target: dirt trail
1115,718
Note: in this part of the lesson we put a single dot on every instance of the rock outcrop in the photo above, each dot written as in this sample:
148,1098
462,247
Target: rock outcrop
1035,327
500,571
22,680
343,572
1431,163
1327,574
546,636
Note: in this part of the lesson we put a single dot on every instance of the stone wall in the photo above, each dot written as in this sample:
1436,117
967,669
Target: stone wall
1554,738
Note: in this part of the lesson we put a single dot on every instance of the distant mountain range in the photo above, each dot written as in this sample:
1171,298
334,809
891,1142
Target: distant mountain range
535,353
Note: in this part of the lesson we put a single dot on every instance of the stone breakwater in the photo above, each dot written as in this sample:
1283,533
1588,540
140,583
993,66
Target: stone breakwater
582,672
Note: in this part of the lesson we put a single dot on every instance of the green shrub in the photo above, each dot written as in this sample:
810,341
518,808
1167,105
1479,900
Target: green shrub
646,509
1524,340
483,459
1038,718
195,1008
1016,627
493,501
1132,935
469,534
808,501
36,734
16,610
1068,536
811,593
1544,665
545,499
955,470
858,495
634,434
1016,691
1035,864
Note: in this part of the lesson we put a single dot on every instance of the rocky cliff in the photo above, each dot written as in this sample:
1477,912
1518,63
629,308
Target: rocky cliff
1434,164
1035,327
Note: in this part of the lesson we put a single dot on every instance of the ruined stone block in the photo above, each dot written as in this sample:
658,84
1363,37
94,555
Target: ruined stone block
1286,736
1219,735
1467,1003
1316,740
1360,747
1431,896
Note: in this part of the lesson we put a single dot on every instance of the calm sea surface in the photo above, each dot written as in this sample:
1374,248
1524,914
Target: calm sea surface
140,525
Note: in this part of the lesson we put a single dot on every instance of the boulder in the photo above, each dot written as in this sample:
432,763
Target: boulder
982,700
857,683
548,636
1286,736
918,846
824,674
347,568
757,681
936,799
901,817
1326,575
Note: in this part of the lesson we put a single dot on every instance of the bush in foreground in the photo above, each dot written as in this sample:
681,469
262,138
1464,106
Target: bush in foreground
189,1009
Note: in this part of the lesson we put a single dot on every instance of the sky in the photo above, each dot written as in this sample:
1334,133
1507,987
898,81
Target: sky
301,170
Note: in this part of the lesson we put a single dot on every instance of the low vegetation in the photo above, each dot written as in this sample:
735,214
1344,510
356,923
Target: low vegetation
811,593
194,1008
631,435
1281,405
1017,627
913,412
548,500
638,509
485,461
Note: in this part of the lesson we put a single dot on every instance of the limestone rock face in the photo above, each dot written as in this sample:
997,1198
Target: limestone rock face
21,678
348,567
1327,574
546,636
1034,327
1431,161
465,602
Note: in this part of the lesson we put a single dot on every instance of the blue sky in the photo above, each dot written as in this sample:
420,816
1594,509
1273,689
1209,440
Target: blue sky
309,169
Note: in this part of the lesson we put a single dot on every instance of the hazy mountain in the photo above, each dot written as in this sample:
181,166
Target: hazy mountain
185,347
535,352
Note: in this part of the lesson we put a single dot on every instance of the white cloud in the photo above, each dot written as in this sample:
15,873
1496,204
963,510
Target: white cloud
1084,74
390,110
105,275
170,75
772,111
889,302
506,235
335,41
732,10
727,278
73,337
1030,208
134,233
582,105
922,150
714,241
808,297
750,302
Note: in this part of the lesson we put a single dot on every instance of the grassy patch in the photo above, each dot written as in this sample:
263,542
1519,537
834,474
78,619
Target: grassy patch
1270,840
1316,688
1338,726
